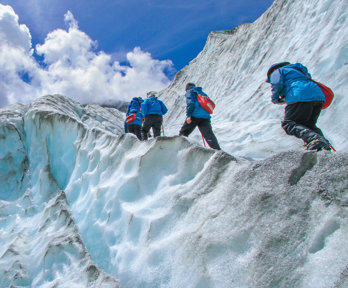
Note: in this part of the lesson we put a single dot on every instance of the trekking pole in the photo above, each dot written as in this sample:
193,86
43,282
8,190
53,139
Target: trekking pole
203,139
333,148
162,130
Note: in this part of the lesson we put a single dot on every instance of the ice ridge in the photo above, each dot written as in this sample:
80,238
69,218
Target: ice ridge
40,242
90,205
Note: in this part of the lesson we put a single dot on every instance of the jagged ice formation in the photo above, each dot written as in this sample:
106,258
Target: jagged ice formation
165,213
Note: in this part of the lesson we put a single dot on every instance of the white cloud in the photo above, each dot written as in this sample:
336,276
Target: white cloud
70,20
73,66
72,48
11,32
15,59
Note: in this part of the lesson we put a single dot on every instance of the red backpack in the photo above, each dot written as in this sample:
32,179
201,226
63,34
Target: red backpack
206,103
131,118
329,95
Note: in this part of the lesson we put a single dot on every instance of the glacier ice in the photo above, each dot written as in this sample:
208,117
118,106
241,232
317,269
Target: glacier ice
232,70
40,241
84,205
91,207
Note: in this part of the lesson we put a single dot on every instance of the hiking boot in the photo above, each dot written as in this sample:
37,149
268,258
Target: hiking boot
318,145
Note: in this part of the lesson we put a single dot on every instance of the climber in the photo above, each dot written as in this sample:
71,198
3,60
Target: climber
292,84
197,116
134,117
153,111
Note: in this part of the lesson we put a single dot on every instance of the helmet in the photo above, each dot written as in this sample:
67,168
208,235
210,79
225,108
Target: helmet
189,85
151,93
275,67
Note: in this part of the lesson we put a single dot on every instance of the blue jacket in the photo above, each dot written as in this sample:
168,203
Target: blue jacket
294,83
193,108
134,108
153,106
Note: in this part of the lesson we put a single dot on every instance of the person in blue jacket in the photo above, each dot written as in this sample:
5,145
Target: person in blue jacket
134,107
291,84
153,111
197,116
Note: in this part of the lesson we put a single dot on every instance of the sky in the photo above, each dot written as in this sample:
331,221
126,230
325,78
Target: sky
99,51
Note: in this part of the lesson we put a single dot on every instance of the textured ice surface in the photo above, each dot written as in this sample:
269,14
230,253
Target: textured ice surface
87,206
232,70
40,243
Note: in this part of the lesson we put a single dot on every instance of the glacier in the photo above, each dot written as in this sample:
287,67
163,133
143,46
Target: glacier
84,205
232,70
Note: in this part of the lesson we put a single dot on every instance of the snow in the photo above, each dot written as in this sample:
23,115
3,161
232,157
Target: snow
84,205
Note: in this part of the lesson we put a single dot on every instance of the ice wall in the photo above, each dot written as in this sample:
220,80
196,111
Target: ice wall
40,243
169,214
90,205
232,70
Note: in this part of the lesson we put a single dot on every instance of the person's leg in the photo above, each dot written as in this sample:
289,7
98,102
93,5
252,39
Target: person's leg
137,131
312,121
146,128
297,117
204,126
157,125
299,112
130,128
187,129
300,131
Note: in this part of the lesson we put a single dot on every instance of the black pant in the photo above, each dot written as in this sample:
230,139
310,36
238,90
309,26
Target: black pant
300,121
154,122
204,125
135,129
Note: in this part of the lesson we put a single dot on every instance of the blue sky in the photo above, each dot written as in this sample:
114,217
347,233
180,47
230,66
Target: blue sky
168,29
105,51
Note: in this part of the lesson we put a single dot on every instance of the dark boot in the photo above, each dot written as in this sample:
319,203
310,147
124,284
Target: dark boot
312,139
318,145
143,134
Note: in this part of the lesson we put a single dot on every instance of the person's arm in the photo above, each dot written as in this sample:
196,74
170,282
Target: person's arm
190,103
144,108
276,87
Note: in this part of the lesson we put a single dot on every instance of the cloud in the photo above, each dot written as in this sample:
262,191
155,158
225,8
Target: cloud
70,20
11,32
15,58
71,66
